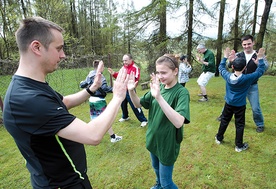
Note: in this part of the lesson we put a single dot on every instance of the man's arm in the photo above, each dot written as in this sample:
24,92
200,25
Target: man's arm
132,84
136,72
261,55
111,71
260,61
93,132
222,66
76,99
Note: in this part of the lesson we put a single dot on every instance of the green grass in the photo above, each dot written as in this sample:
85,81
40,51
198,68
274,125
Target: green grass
201,163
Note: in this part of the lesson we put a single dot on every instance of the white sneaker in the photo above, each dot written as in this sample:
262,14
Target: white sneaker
203,99
244,147
124,119
217,141
116,139
144,123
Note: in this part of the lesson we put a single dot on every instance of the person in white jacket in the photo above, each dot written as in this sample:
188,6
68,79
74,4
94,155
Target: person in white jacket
184,69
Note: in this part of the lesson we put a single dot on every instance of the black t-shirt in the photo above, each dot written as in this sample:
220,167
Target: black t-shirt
250,66
33,114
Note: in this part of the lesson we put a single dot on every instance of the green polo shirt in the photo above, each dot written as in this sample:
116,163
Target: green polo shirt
162,137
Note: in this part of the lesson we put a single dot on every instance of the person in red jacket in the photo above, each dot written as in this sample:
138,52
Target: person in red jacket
130,66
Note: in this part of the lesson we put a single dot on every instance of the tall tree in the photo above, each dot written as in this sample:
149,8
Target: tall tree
236,27
220,30
190,30
162,16
128,26
9,13
260,38
155,16
24,9
158,17
255,17
73,29
4,48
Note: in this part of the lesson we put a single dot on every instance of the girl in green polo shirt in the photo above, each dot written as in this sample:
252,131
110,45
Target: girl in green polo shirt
168,105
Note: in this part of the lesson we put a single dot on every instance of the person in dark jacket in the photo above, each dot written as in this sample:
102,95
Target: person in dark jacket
90,78
97,102
237,86
249,54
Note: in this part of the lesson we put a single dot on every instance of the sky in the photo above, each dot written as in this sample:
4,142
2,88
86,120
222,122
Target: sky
175,22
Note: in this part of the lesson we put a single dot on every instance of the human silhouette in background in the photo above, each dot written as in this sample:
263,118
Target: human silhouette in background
130,66
97,102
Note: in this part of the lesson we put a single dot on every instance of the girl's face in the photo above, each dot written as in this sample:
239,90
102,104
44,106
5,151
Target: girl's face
166,75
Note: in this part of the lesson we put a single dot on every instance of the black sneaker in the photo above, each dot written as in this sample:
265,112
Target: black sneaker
260,129
244,147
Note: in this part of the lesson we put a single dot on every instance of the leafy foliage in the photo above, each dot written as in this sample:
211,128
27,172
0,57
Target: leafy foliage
100,27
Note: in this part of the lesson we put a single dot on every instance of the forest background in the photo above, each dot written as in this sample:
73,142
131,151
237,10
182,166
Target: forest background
106,29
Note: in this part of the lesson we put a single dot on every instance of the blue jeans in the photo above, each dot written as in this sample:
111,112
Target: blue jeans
163,173
137,111
253,97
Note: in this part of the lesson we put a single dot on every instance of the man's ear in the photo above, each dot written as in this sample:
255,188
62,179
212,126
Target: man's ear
36,47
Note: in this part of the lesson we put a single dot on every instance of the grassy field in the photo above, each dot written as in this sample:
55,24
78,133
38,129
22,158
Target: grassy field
201,163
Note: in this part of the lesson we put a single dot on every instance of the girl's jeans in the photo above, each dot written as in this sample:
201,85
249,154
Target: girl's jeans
163,174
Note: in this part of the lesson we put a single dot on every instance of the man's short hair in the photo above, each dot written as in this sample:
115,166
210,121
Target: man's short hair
246,37
35,28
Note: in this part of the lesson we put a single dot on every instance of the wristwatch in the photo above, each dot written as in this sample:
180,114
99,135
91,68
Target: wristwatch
90,92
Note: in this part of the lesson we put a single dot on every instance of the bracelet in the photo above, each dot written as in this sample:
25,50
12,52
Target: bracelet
90,92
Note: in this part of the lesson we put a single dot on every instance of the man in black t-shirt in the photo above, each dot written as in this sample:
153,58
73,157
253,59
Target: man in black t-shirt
47,135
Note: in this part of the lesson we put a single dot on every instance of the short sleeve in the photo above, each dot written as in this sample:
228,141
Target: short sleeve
41,114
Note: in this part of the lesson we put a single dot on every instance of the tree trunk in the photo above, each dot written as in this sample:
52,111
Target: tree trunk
73,19
260,38
163,27
24,10
255,18
219,40
236,27
190,31
4,31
